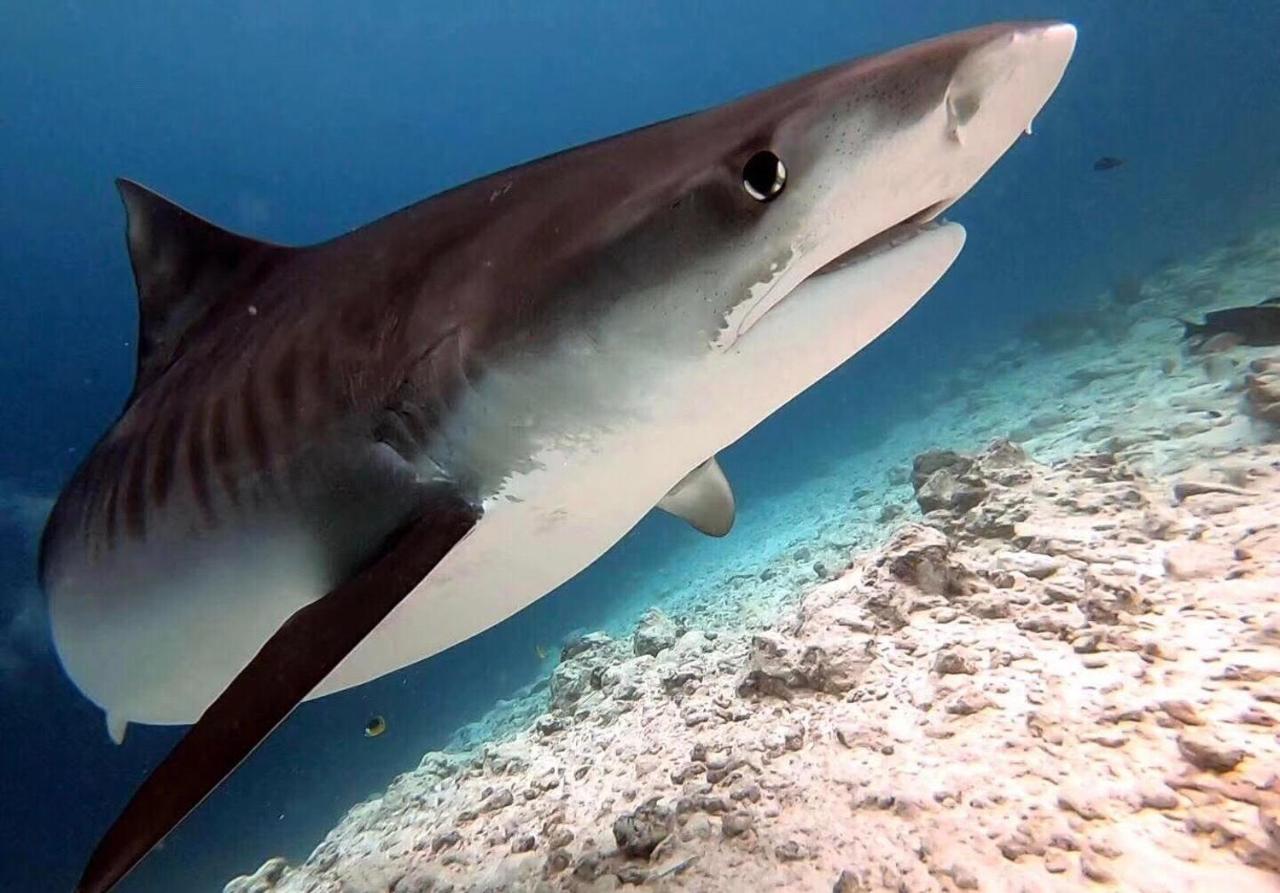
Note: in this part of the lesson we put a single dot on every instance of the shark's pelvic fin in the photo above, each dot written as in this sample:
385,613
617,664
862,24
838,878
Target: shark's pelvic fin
183,265
117,725
292,663
703,498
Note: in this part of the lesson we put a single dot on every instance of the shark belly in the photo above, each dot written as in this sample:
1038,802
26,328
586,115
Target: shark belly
152,651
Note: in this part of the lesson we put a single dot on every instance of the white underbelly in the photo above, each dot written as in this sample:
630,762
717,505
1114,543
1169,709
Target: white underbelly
543,528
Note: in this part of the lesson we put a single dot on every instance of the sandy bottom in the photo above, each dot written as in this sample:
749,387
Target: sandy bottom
1047,661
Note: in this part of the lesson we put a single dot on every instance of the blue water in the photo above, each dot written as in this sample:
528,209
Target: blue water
297,121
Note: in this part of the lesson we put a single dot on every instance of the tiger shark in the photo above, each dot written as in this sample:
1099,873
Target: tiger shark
342,458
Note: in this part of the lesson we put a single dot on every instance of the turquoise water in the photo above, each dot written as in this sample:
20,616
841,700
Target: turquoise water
301,122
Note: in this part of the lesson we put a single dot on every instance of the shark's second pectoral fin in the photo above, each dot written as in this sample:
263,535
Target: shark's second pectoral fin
703,498
292,663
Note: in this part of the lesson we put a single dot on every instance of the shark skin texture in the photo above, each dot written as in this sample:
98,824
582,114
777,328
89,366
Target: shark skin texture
342,458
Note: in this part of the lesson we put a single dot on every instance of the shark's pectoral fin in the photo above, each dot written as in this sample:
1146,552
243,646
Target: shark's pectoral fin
292,663
703,498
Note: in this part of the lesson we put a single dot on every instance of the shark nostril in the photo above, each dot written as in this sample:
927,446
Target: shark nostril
964,106
764,176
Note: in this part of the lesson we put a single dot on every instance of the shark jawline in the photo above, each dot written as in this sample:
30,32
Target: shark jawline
886,240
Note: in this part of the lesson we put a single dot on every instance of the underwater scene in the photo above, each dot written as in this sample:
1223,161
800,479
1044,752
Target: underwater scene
670,446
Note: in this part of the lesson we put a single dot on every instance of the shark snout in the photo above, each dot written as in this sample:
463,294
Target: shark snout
882,175
998,89
1059,37
1049,49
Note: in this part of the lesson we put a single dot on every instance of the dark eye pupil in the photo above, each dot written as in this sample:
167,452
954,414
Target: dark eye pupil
763,176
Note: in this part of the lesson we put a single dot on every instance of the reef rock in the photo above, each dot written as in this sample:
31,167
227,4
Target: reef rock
944,490
638,833
581,673
779,665
656,633
262,880
1262,389
925,465
581,644
920,556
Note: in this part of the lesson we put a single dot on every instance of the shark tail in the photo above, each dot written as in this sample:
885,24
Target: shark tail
1192,329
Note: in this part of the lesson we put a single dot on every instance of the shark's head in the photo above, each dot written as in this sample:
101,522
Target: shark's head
836,163
674,241
724,213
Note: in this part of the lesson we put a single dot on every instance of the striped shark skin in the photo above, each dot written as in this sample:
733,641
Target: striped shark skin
342,458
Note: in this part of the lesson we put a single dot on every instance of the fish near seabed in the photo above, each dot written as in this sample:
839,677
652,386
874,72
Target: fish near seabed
342,458
1255,326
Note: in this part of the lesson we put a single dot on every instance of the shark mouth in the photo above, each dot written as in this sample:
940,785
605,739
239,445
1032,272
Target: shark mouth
742,319
898,234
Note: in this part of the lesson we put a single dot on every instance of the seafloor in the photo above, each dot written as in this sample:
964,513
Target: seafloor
1047,661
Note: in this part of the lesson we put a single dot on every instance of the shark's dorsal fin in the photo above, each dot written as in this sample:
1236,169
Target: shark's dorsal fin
183,265
703,498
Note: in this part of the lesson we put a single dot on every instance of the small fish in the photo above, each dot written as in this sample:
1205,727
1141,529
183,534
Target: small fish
541,651
375,727
1107,162
1256,326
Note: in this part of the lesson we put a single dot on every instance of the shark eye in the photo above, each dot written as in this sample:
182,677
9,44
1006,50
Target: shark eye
763,176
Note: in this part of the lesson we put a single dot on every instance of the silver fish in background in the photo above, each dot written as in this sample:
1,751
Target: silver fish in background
340,459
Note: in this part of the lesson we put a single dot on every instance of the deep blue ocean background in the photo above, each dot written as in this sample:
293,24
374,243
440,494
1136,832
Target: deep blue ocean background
297,121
